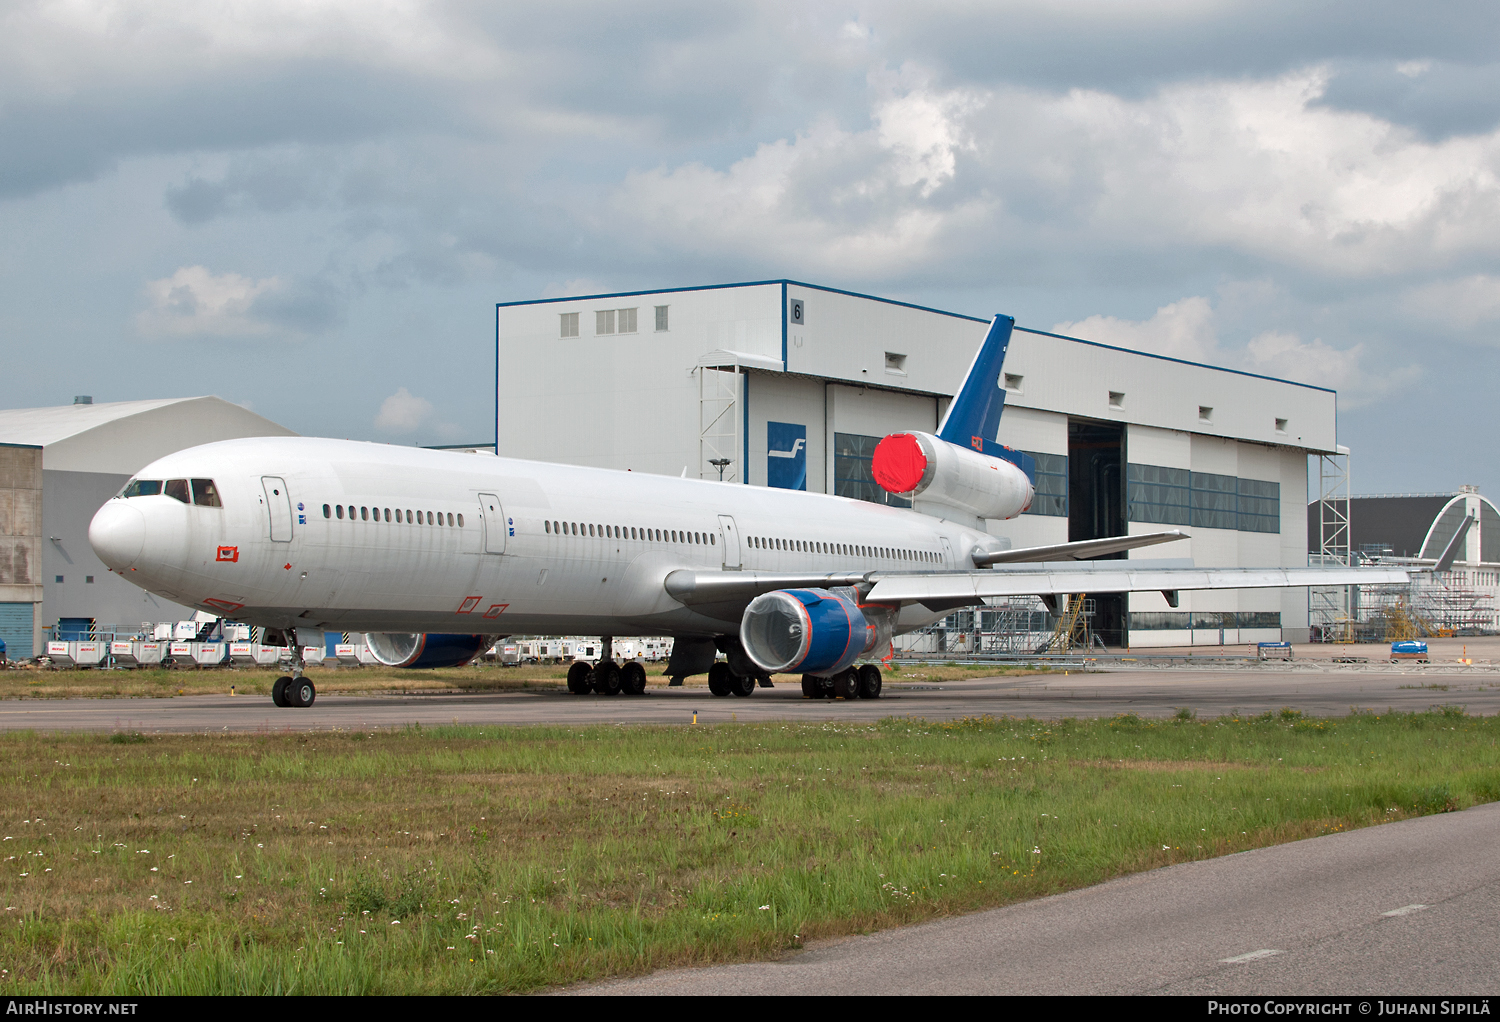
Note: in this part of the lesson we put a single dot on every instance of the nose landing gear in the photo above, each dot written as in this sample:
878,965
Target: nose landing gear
294,690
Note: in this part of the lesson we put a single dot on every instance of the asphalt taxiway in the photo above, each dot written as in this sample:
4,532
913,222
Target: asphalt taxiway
1403,909
1330,690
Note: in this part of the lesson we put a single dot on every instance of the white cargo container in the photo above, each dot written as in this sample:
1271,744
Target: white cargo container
208,654
347,653
60,654
365,656
180,652
162,632
148,653
122,651
508,653
313,655
254,654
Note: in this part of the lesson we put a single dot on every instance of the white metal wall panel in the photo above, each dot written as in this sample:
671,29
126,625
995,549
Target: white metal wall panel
1069,375
622,400
1027,429
1147,445
846,337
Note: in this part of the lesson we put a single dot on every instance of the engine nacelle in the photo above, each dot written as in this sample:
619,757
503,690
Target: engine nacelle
930,469
416,650
812,631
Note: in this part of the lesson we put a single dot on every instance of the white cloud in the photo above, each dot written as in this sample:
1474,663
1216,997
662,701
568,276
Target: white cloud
194,301
1184,329
1465,303
402,412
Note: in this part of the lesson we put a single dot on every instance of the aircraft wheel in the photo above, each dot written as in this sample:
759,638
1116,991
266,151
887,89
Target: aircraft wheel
278,692
742,684
812,688
869,682
300,693
846,684
633,679
580,678
720,679
607,678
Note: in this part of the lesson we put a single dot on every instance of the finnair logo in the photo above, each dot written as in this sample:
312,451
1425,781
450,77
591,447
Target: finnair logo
797,446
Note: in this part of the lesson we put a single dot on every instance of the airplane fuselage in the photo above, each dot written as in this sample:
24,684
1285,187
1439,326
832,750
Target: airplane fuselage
361,537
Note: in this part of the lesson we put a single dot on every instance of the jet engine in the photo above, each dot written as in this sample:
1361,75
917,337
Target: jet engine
933,471
407,649
813,631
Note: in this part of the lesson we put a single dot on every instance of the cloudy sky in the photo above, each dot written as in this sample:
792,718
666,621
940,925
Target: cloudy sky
311,207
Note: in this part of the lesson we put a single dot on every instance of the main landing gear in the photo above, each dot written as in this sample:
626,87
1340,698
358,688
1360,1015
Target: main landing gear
854,683
722,680
294,690
607,677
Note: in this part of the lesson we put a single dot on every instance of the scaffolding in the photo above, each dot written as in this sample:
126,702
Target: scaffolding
719,447
1332,610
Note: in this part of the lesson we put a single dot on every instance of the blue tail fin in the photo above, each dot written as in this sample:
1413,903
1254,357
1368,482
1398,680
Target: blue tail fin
974,416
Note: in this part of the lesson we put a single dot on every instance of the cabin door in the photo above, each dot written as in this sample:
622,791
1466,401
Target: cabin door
731,533
279,504
496,525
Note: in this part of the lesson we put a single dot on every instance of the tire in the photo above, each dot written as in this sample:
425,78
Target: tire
812,688
301,693
742,685
278,692
869,682
846,684
580,678
633,678
607,679
720,679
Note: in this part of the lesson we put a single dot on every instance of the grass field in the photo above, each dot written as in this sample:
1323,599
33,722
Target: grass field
161,683
508,859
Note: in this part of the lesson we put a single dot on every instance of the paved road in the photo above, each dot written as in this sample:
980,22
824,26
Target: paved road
1404,908
1147,692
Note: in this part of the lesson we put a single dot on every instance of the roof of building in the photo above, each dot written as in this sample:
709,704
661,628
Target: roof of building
118,437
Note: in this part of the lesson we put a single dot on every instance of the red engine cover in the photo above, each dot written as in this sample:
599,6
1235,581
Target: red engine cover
898,463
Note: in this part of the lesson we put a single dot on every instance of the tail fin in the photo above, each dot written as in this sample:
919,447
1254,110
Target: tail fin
974,416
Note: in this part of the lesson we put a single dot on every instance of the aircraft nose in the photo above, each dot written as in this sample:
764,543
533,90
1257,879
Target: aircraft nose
118,534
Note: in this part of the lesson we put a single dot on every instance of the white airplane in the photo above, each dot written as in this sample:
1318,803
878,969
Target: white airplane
435,555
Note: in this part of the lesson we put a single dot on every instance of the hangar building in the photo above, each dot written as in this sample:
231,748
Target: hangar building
782,383
57,467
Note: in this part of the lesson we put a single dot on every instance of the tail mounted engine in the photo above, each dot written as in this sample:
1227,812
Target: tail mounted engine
813,631
416,650
934,472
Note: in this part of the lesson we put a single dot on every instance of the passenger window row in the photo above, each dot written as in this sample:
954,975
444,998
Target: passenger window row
629,532
844,549
376,514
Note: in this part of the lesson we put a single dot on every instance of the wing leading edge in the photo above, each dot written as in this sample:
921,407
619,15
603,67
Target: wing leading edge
954,589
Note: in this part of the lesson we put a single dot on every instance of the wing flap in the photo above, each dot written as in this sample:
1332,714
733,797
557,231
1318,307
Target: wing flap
942,589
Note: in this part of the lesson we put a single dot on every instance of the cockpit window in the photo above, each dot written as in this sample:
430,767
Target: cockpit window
205,493
142,488
177,489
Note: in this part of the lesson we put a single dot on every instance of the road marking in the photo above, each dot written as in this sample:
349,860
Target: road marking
1253,956
1405,910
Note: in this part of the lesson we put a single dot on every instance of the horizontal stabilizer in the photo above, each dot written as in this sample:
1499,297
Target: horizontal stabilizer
1082,550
